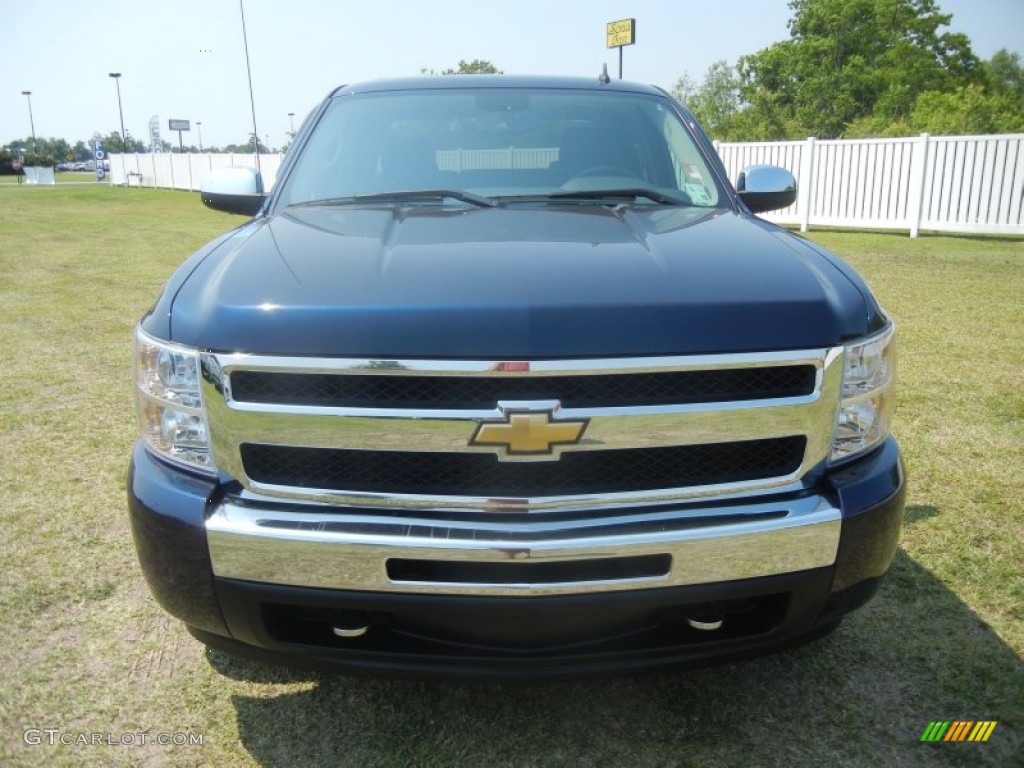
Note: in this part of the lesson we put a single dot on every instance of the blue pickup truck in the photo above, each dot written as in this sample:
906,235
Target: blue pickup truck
503,378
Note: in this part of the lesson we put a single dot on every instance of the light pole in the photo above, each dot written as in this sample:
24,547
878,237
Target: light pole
117,82
31,120
199,127
291,116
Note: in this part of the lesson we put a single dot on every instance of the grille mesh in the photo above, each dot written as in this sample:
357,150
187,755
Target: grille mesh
480,392
474,474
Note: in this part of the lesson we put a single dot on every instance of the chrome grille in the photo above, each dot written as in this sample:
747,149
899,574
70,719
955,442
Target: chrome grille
474,474
396,434
588,391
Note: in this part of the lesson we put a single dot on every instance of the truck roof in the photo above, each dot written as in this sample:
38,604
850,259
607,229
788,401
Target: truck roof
446,82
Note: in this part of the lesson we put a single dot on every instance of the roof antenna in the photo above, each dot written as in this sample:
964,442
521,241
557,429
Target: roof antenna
603,78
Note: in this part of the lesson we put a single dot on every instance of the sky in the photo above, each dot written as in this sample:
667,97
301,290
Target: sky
185,59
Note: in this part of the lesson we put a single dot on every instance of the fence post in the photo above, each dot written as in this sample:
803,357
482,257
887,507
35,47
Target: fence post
918,175
809,188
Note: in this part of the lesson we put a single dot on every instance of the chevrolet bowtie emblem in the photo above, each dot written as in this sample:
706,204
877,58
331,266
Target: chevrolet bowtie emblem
529,433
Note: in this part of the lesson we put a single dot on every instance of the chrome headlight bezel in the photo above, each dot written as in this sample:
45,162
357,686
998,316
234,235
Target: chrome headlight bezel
169,403
867,395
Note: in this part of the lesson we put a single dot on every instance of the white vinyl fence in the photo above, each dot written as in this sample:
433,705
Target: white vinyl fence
943,183
183,171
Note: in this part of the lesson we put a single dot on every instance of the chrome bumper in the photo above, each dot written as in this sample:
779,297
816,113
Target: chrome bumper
350,551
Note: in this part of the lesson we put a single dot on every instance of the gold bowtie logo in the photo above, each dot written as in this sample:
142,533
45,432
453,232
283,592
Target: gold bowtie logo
529,433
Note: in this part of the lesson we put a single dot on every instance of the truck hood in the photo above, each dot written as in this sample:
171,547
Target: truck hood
522,282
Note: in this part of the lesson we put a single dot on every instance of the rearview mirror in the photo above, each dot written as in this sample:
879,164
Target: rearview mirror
233,190
766,187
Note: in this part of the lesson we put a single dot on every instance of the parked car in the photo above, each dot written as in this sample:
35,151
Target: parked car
503,378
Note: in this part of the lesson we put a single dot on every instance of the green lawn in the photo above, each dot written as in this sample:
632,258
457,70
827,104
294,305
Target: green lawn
84,649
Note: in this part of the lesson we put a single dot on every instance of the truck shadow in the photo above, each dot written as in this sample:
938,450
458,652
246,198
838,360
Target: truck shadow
918,513
862,695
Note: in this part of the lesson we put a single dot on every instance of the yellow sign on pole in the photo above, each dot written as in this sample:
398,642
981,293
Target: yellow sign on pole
622,32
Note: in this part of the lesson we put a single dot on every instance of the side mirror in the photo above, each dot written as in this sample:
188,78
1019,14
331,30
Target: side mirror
233,190
766,187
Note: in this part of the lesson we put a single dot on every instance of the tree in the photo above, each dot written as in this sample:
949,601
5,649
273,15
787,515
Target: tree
248,148
474,67
42,150
684,89
966,111
1005,74
847,60
715,102
81,152
9,162
113,143
992,104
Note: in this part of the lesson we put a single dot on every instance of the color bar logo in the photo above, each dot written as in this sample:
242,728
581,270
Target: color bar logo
958,730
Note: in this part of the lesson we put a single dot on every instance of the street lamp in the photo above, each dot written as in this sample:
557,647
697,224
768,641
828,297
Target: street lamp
117,82
31,120
291,116
199,127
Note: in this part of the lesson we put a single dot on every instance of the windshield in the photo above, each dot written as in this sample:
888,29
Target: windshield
504,144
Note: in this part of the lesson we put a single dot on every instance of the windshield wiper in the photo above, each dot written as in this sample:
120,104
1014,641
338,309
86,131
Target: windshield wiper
614,195
411,196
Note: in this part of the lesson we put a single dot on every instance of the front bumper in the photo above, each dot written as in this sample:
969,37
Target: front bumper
540,597
368,551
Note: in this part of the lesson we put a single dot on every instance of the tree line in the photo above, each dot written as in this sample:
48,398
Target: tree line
860,68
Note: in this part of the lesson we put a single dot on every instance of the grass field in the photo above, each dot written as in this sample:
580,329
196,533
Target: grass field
84,649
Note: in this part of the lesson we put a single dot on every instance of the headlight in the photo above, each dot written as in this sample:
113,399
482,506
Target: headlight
866,402
170,406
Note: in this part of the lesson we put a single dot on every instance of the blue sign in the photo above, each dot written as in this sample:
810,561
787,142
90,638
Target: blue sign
99,156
